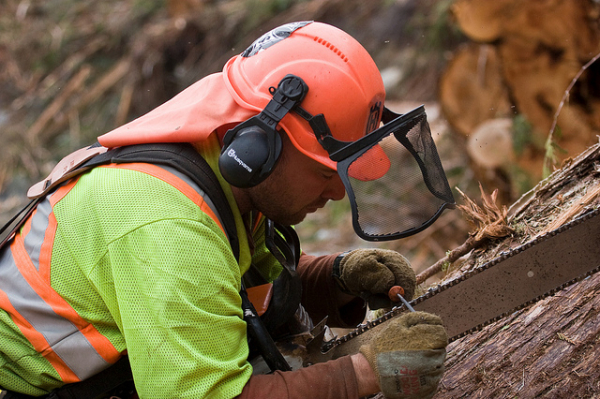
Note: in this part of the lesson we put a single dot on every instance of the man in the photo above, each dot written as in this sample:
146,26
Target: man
133,258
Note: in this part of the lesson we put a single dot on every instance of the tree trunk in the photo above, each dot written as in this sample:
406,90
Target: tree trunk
471,89
549,349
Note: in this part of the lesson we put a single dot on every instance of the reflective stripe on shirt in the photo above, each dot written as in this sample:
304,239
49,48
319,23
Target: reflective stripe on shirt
73,346
51,334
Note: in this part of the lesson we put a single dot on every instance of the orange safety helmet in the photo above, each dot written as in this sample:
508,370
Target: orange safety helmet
344,84
345,90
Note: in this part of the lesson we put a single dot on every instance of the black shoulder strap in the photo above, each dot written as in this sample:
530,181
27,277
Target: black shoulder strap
181,156
16,222
115,381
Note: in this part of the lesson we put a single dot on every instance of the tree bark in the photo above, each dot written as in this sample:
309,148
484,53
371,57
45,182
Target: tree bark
550,348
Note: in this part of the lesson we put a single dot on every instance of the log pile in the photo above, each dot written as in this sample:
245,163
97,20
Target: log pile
525,58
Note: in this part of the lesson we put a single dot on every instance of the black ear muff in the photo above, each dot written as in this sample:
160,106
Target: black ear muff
251,149
248,156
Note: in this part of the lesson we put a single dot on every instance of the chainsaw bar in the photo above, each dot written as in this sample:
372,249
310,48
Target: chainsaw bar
510,282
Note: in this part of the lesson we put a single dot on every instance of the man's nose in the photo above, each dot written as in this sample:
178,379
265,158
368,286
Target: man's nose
335,190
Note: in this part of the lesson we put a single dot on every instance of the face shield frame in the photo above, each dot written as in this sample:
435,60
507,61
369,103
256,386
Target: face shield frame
346,153
370,155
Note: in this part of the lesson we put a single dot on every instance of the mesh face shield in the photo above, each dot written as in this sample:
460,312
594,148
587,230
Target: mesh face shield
393,176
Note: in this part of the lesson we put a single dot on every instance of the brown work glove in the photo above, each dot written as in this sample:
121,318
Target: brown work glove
370,273
407,355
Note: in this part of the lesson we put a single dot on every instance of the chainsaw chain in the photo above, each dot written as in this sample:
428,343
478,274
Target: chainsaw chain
362,328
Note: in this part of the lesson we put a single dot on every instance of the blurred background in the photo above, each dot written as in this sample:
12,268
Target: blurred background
510,87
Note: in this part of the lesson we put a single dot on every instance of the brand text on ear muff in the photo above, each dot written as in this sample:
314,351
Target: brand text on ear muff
232,154
249,155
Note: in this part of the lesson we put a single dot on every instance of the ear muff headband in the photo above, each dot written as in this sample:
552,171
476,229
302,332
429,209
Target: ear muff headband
252,148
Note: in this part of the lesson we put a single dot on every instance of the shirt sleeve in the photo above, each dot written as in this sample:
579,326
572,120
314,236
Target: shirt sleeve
320,293
331,380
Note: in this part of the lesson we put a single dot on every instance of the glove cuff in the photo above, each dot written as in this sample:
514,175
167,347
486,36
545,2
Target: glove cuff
337,272
369,353
410,374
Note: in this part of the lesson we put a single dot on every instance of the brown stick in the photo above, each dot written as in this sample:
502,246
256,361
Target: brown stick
106,82
565,96
124,104
55,106
451,257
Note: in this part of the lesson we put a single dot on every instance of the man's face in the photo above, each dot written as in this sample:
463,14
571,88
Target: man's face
297,186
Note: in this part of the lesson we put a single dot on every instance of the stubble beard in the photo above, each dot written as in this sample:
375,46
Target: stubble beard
275,205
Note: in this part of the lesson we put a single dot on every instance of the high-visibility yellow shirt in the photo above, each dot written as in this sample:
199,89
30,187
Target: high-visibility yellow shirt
154,274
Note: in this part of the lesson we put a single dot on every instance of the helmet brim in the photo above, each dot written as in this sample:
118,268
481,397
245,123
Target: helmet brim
371,165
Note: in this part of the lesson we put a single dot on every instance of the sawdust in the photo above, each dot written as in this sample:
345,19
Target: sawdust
490,219
490,222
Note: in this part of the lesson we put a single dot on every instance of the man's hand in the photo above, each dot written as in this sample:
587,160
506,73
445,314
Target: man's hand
407,355
370,273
